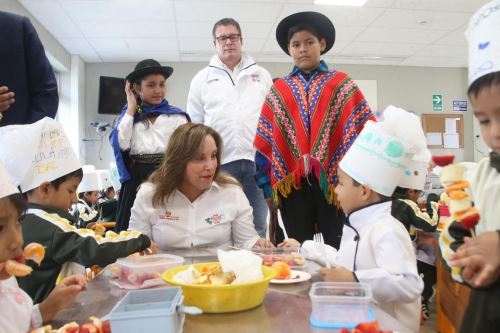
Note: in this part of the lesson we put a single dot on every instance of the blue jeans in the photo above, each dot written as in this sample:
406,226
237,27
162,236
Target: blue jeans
244,172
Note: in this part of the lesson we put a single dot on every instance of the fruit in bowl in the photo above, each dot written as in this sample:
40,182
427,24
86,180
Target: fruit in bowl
215,298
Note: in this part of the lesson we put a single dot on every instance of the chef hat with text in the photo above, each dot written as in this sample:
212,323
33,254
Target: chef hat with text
381,153
484,41
7,185
90,180
36,153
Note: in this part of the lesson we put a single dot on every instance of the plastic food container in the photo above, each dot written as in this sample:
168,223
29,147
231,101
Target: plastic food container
153,310
137,269
291,256
340,304
222,298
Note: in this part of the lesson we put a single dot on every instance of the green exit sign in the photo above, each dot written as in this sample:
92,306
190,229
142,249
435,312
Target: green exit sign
437,102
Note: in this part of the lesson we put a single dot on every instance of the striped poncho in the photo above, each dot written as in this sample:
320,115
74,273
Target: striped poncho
307,127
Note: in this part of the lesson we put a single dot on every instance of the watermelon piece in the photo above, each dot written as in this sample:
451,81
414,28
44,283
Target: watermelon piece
443,160
469,221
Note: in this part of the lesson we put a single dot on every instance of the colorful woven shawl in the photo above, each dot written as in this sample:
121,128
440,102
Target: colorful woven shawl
318,119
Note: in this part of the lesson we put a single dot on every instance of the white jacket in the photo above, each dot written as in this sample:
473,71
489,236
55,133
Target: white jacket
230,103
18,312
385,259
219,218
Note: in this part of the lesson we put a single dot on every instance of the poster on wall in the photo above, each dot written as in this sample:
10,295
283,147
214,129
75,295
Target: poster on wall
459,105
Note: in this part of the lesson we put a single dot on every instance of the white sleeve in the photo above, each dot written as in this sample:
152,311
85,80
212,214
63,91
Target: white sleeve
395,279
242,228
125,128
268,80
139,215
194,102
36,317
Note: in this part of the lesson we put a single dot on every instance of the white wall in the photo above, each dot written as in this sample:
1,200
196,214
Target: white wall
407,87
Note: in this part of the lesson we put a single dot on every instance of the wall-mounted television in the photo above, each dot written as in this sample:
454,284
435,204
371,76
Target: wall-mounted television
112,95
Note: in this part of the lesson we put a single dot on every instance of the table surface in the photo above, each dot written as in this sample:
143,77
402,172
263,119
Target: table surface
286,308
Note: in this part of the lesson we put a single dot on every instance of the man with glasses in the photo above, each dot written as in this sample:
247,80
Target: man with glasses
227,95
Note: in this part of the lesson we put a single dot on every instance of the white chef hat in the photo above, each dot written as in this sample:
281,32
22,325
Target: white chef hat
90,180
484,41
381,153
7,185
36,153
103,177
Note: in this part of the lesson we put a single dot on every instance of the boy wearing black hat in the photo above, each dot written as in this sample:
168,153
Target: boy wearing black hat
308,122
142,131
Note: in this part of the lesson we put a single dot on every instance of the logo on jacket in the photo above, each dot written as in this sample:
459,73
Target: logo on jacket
255,77
168,216
215,219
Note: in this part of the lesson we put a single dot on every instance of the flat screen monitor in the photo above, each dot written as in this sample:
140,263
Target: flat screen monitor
112,95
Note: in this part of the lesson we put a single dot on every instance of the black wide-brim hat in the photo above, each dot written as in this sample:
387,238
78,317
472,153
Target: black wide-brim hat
318,21
149,66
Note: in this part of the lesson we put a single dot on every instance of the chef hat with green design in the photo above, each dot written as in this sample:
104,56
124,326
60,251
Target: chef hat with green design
381,154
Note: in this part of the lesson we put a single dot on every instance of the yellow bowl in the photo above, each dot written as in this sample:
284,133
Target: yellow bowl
222,298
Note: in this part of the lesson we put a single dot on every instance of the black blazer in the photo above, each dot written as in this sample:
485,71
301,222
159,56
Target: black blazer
25,70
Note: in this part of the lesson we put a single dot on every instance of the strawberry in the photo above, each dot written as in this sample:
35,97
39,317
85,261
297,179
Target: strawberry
469,221
443,160
368,327
106,327
88,328
344,330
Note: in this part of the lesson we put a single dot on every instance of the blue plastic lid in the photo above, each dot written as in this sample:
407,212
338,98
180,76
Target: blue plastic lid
338,325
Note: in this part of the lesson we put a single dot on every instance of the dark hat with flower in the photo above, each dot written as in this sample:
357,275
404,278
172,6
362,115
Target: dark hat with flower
149,66
319,22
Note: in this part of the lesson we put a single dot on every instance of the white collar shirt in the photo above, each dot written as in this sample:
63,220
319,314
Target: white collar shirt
384,258
218,218
147,137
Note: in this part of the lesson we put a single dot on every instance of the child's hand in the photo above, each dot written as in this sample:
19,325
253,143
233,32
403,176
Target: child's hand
290,242
339,274
480,259
263,244
152,249
62,295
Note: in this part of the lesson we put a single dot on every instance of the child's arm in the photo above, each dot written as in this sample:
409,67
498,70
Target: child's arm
480,259
338,274
394,276
86,251
290,242
62,295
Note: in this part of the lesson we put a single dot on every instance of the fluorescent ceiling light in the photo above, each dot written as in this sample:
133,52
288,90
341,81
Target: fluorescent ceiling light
341,2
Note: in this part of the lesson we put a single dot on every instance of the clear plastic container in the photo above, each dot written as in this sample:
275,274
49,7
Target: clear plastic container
291,256
340,304
137,269
153,310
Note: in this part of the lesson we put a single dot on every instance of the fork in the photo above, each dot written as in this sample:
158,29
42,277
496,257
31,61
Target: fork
318,238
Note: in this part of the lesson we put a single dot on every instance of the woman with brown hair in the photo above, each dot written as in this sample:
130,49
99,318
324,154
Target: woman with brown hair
188,206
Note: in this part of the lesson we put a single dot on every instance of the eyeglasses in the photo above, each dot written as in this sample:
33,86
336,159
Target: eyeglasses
232,38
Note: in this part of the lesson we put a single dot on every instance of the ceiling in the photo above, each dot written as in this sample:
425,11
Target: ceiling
383,32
